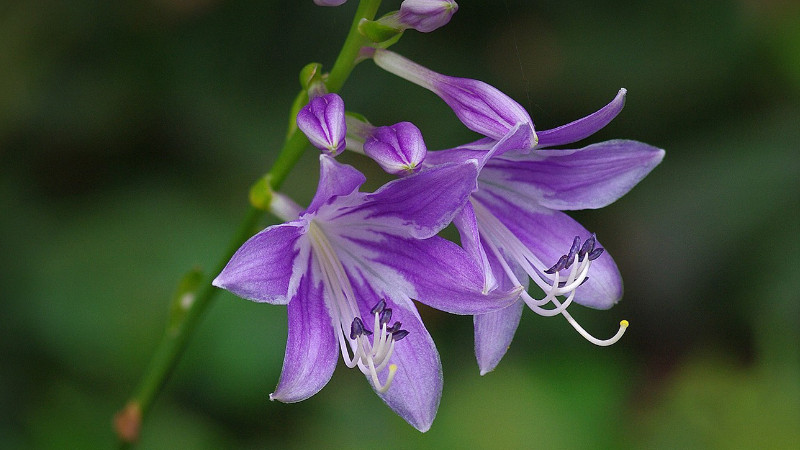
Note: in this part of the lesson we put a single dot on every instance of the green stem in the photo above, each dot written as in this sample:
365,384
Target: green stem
128,421
346,60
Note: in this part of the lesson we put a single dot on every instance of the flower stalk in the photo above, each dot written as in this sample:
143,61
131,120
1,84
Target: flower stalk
127,422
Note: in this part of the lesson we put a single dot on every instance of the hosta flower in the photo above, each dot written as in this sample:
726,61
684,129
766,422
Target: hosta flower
348,268
514,226
480,107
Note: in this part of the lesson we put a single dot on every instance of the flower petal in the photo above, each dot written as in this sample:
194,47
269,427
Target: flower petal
335,179
311,349
417,387
261,270
494,332
548,234
467,226
417,206
590,177
433,271
584,127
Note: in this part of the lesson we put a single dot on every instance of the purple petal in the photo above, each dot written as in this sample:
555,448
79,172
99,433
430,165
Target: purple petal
549,234
494,331
480,107
417,387
335,179
493,335
517,140
591,177
417,206
467,227
457,155
433,271
311,349
261,270
329,2
585,127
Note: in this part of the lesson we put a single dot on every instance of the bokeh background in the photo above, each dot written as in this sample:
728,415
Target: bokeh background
130,132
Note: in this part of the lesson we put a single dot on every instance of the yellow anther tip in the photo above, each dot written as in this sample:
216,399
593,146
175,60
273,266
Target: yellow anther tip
623,323
392,367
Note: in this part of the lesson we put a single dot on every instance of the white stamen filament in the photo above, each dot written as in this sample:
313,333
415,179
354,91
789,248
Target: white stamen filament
370,358
496,236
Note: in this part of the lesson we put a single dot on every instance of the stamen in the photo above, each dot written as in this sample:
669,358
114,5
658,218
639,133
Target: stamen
371,358
378,307
496,236
385,316
357,328
576,245
399,335
588,246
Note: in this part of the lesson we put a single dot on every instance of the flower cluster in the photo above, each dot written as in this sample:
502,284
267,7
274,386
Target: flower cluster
350,265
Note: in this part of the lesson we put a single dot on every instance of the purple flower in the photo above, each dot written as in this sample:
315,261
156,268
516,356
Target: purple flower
514,227
348,268
480,107
322,121
421,15
398,149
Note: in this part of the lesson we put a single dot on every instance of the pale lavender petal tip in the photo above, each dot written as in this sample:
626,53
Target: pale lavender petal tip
322,120
399,149
262,267
493,335
583,127
335,180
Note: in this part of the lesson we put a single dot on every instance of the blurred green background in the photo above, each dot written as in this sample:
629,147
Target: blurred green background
130,132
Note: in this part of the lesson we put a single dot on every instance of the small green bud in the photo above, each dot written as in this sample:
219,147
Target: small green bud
379,33
184,297
261,193
310,74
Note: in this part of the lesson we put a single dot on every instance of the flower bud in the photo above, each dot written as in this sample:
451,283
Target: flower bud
399,149
426,15
322,121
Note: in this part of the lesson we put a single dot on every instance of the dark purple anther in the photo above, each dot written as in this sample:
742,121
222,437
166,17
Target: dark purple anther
594,254
558,266
385,316
576,245
379,307
356,328
587,247
398,335
394,328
